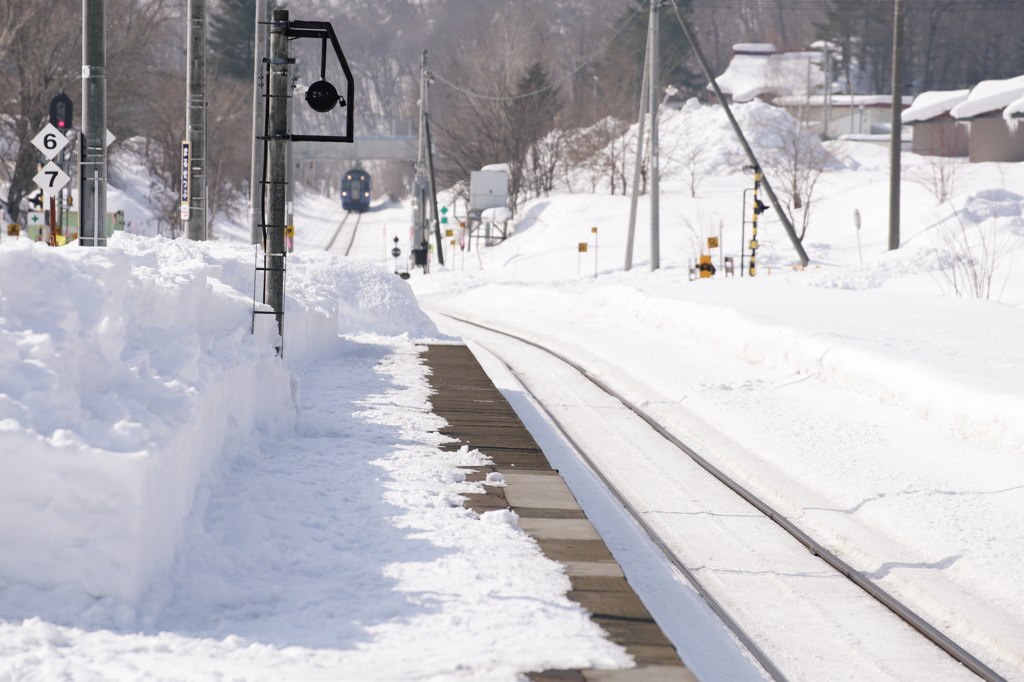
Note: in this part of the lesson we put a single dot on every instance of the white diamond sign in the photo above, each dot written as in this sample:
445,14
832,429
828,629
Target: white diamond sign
52,179
50,141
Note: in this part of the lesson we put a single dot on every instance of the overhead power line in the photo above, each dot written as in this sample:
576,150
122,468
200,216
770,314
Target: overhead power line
547,87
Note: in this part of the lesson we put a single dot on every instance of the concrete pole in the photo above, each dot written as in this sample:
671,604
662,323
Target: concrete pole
92,195
258,104
639,154
290,196
195,120
655,93
896,127
278,88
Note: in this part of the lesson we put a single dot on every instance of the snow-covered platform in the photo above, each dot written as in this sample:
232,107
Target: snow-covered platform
480,417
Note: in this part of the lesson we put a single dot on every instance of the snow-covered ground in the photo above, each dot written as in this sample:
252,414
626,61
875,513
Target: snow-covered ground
867,401
178,503
167,524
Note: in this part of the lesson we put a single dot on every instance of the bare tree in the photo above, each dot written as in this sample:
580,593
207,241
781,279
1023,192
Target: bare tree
941,172
691,153
970,254
796,160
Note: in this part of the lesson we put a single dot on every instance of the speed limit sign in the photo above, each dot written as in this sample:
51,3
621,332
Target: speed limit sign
50,141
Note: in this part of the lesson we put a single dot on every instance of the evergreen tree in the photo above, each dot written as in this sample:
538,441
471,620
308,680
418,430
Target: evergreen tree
621,71
232,39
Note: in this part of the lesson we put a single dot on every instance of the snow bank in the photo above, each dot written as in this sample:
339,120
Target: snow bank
126,372
934,394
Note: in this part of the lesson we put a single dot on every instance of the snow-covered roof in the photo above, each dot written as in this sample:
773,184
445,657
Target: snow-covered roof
753,48
989,96
928,105
841,101
751,75
1014,110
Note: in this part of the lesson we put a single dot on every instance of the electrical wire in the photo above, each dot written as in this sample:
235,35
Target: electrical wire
547,87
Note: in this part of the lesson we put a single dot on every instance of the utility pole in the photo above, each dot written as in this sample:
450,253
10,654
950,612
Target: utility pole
896,127
276,171
195,221
433,196
92,157
779,211
258,105
655,93
422,182
639,153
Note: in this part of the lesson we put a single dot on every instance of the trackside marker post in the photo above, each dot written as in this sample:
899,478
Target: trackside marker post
594,231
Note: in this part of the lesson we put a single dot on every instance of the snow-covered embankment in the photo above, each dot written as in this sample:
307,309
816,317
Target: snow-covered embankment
126,372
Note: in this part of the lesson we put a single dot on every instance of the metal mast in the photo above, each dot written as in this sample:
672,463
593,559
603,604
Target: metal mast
195,222
256,173
655,93
92,157
275,186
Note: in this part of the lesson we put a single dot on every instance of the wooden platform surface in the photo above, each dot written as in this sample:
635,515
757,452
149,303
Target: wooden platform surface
479,416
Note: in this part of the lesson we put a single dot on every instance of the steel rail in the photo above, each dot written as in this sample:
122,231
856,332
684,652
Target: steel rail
337,232
929,631
695,582
352,239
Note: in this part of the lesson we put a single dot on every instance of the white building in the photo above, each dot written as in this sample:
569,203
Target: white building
757,70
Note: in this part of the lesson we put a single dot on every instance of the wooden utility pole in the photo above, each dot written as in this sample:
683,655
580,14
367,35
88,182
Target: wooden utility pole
92,157
195,221
896,127
258,105
655,94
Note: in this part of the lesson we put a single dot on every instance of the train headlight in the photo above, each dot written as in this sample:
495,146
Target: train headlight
344,194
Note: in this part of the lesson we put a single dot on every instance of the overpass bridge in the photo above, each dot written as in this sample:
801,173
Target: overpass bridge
376,139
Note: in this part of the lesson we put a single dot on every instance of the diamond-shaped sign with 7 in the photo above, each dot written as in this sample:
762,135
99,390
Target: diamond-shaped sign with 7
52,179
50,141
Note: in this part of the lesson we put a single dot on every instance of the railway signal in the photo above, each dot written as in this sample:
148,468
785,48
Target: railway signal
396,252
62,111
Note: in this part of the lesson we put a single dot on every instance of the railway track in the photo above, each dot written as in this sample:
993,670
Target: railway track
341,226
913,619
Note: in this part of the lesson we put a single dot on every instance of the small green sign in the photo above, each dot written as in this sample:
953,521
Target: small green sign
444,220
444,209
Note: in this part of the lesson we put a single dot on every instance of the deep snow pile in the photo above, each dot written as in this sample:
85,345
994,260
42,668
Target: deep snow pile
127,371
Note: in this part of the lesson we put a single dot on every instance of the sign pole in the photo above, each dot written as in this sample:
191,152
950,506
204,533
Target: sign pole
92,194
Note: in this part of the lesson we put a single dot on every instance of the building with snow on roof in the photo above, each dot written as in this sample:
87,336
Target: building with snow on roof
846,114
936,132
758,71
989,136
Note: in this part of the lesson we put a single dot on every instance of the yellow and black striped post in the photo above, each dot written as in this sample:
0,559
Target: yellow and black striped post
759,208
